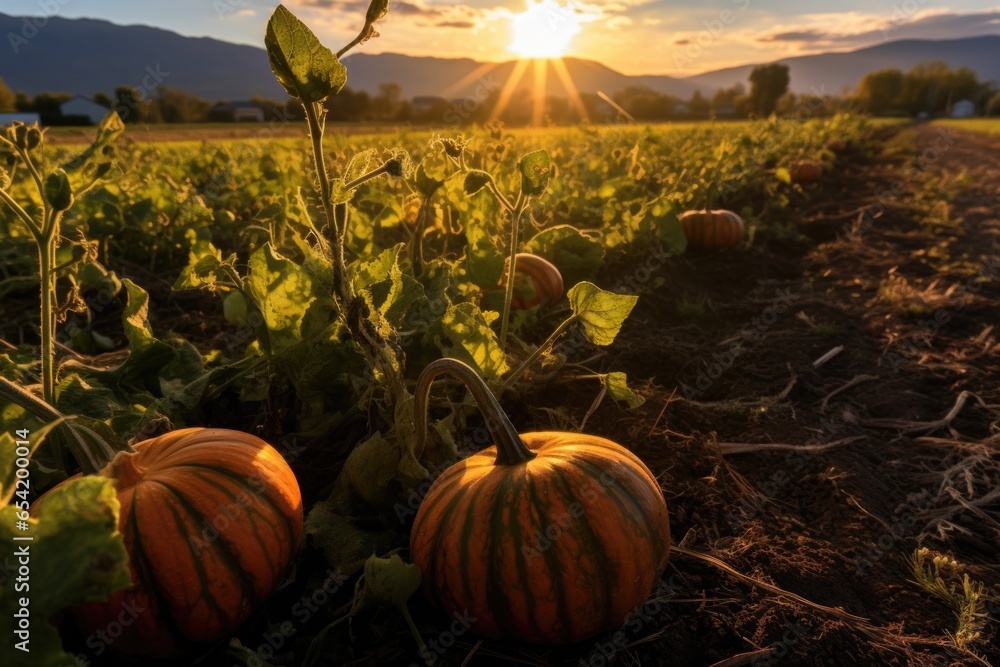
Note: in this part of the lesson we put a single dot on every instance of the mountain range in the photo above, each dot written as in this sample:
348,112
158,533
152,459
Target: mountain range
86,56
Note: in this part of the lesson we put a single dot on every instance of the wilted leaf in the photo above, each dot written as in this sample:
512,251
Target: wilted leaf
536,172
618,389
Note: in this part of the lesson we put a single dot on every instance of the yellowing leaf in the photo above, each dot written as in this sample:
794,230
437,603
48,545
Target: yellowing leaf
601,313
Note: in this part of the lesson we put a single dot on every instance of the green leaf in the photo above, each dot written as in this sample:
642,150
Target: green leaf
484,259
58,191
536,172
471,339
305,68
577,256
600,312
283,292
76,555
390,582
343,540
100,151
376,11
475,181
618,389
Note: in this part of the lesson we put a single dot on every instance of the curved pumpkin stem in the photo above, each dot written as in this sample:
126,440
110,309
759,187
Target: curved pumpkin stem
89,449
511,450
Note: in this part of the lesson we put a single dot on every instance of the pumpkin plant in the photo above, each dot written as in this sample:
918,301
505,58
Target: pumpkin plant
211,519
58,188
545,537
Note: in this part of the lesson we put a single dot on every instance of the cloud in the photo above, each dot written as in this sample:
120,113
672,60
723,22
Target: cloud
456,24
793,36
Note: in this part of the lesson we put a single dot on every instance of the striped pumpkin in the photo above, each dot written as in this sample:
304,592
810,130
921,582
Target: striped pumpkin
211,519
709,230
546,537
804,172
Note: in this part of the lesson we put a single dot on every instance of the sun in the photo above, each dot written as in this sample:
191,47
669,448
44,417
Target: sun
544,30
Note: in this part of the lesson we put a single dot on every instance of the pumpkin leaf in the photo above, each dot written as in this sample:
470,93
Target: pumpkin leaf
601,313
76,555
475,181
618,389
484,259
344,541
283,292
577,256
536,172
471,339
390,582
307,70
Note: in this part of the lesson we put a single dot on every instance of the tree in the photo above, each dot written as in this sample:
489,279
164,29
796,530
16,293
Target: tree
102,99
177,106
993,106
932,86
879,92
385,104
698,106
767,84
8,100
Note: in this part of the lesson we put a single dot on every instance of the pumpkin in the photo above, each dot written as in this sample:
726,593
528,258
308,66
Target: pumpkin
805,172
211,520
536,281
544,537
709,230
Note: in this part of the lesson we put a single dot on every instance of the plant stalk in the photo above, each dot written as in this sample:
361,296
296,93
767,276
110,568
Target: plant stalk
515,235
539,351
511,450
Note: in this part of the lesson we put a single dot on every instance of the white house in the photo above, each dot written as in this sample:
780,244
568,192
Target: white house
239,112
81,107
26,118
963,109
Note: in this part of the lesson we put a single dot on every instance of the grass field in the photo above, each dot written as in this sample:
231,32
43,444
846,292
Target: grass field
983,125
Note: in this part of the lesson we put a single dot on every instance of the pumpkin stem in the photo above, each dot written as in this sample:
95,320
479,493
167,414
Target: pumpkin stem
89,449
511,450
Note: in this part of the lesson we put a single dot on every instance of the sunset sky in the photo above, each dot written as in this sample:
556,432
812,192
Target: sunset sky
678,37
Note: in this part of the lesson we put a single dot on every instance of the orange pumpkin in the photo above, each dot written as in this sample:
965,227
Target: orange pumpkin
537,281
544,537
805,172
709,230
211,520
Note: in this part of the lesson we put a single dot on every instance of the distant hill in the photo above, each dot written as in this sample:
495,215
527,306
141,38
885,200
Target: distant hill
832,72
87,56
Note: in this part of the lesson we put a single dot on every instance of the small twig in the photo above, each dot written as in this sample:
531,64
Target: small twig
750,658
665,406
828,356
853,383
749,448
907,426
472,652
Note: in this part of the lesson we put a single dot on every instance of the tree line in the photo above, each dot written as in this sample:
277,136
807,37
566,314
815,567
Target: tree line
930,88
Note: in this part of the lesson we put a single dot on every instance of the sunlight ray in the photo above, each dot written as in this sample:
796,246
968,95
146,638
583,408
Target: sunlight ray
508,88
469,78
540,91
570,87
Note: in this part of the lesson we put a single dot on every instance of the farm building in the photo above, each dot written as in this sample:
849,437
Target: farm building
26,118
238,112
963,109
84,109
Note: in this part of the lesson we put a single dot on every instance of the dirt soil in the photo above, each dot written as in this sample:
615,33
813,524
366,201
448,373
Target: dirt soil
863,361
